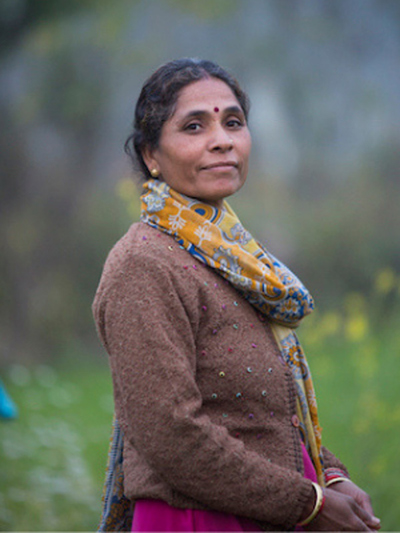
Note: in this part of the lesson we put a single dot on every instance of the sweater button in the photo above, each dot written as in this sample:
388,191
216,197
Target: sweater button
295,421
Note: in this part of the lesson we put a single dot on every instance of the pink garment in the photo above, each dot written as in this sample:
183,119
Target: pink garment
309,470
157,515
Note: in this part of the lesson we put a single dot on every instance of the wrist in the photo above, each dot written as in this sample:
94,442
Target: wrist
333,475
317,507
336,480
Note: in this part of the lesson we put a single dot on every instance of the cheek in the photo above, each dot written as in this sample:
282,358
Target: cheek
245,152
173,162
184,154
190,158
248,145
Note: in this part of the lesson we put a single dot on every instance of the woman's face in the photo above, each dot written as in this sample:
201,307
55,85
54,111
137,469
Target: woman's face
205,145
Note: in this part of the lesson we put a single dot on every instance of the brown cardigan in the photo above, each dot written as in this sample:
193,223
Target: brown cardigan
206,404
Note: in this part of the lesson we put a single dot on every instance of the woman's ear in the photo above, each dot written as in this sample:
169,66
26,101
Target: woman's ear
150,161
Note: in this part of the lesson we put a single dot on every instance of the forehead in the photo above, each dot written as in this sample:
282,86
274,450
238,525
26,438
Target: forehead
205,95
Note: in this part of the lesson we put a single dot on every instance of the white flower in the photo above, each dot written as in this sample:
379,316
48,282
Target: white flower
228,262
203,233
176,222
240,234
155,202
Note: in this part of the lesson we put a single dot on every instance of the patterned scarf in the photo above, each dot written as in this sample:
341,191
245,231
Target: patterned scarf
217,238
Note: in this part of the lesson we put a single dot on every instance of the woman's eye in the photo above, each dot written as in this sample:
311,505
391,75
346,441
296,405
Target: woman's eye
194,126
234,123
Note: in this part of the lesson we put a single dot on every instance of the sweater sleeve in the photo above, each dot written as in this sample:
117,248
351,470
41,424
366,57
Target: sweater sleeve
331,461
149,329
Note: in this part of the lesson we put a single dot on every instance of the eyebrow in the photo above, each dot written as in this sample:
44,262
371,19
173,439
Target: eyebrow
202,112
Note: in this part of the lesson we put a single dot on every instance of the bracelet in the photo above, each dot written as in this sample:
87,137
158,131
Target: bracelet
335,480
317,507
334,473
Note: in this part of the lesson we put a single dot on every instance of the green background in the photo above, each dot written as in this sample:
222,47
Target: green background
323,193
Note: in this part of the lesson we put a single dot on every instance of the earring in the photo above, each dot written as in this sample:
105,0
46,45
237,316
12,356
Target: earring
154,172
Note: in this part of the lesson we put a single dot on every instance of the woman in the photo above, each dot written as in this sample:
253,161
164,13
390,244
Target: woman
212,390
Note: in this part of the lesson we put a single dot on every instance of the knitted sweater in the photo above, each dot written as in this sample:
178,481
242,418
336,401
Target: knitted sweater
206,403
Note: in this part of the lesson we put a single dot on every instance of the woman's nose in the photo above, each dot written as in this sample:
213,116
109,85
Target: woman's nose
221,141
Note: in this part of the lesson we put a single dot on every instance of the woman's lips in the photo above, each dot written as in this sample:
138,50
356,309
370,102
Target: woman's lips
221,165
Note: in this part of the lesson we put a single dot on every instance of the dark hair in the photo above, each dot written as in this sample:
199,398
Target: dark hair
159,95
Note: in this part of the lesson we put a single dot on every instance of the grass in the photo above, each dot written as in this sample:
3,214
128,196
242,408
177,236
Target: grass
53,456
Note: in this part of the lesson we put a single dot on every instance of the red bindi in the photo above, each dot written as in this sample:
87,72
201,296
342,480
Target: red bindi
216,109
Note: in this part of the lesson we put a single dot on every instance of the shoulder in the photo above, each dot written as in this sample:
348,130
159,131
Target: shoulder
148,268
139,242
147,259
143,248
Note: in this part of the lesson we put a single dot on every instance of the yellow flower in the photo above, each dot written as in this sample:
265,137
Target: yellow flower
126,189
365,360
379,465
330,323
362,426
356,327
385,281
355,302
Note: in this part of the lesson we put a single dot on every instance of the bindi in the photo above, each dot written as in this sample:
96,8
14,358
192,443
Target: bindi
216,109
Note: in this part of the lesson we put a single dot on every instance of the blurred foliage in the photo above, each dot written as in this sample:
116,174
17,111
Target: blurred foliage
55,270
54,455
207,9
69,73
336,242
353,353
17,16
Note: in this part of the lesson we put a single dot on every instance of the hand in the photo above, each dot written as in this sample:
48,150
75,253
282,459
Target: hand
361,497
341,512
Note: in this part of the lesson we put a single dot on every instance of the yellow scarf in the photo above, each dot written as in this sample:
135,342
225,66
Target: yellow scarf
217,238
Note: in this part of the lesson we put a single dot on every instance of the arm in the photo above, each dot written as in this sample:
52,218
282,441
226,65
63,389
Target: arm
152,344
331,461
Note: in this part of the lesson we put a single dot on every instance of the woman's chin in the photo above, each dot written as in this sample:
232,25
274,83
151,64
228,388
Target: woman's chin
217,200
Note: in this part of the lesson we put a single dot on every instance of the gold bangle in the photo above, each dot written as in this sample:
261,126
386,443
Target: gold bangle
317,506
335,480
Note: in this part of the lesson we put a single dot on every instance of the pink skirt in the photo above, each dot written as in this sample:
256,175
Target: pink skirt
157,515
